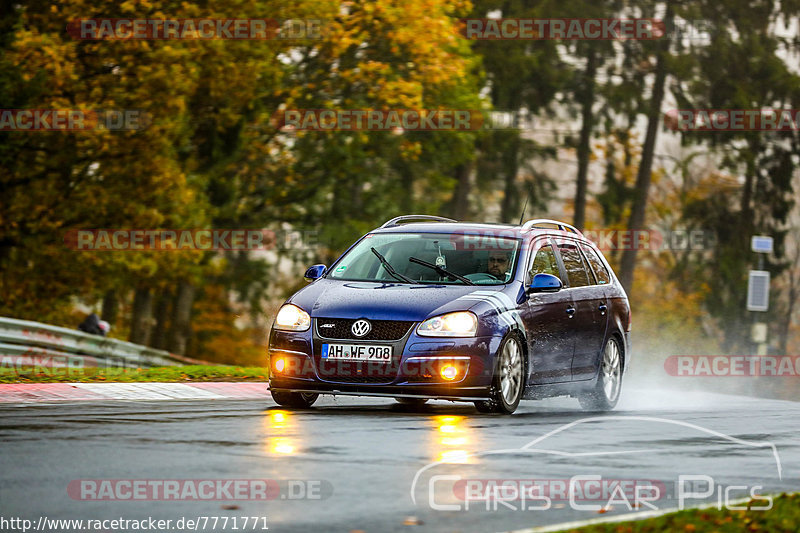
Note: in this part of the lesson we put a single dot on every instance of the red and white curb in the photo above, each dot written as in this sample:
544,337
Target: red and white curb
51,392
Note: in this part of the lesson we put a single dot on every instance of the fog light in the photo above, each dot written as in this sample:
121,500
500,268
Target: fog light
280,364
449,372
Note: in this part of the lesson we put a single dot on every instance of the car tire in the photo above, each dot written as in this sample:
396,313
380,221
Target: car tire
412,402
486,406
508,381
605,394
294,399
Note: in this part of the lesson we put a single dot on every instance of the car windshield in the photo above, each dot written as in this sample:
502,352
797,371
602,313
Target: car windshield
453,258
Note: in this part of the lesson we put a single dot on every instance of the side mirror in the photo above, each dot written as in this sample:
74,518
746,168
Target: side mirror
315,272
545,283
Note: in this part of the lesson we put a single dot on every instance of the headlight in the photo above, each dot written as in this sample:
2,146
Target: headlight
460,324
292,318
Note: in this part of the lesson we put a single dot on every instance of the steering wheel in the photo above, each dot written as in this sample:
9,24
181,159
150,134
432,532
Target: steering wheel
481,276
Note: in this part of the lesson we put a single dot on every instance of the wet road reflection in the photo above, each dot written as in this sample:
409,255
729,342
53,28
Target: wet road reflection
452,438
280,432
356,459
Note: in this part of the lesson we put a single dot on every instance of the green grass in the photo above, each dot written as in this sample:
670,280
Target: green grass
132,375
783,517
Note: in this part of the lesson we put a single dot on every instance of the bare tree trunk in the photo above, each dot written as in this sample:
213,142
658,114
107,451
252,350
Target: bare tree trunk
510,205
459,204
407,179
792,295
786,322
142,314
740,336
587,99
746,207
110,305
159,337
181,318
611,199
638,210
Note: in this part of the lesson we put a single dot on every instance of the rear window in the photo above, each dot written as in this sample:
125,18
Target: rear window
599,269
573,263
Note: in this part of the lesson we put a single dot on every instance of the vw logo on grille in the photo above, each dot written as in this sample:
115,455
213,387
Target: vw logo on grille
360,327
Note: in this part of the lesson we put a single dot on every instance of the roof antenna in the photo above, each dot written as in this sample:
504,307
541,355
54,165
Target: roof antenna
524,207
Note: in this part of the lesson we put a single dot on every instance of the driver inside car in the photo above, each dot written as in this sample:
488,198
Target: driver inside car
499,264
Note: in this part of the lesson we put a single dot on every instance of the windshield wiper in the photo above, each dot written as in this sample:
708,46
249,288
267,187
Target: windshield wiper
392,272
441,271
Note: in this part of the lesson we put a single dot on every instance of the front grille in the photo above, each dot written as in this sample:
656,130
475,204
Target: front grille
382,330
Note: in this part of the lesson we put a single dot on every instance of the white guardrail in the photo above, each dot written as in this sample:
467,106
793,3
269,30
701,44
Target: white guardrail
22,339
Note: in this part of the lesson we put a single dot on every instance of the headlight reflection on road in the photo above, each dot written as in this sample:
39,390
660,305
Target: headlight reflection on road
281,445
277,419
452,433
278,425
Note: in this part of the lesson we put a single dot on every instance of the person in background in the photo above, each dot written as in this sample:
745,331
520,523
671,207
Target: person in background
92,324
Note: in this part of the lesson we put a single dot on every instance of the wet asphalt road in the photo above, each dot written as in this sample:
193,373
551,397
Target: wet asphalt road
366,453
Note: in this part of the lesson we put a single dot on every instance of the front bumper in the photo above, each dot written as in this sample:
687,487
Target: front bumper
412,373
385,391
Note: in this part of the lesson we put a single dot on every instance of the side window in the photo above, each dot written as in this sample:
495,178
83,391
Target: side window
576,272
545,263
600,271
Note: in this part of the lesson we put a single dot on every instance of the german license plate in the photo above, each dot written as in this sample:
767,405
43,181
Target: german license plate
357,352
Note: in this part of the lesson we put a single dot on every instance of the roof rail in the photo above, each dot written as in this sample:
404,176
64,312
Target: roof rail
396,221
543,221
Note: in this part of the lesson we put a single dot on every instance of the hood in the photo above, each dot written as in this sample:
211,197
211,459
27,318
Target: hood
386,301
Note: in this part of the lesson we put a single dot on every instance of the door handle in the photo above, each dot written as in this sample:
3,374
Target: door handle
603,308
570,312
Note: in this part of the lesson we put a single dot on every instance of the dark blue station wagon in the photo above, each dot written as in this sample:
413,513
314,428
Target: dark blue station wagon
429,308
